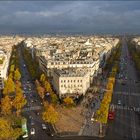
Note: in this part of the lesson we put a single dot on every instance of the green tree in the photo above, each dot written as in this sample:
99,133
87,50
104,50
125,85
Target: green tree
50,115
17,75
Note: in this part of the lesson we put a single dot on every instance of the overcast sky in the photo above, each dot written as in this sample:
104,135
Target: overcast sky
70,17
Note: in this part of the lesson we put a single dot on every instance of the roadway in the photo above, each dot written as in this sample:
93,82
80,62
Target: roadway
126,124
33,105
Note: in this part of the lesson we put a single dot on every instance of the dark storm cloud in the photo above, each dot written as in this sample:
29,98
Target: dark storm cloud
70,16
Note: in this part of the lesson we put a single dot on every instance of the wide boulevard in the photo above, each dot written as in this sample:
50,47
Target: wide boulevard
126,100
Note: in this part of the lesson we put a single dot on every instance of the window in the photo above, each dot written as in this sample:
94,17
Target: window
77,80
71,81
61,81
64,81
74,81
81,80
61,85
68,81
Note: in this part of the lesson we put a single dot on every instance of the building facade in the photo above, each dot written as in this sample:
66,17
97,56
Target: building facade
71,82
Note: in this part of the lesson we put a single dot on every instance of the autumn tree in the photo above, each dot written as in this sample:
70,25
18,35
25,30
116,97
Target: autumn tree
18,89
7,132
18,84
41,91
6,105
68,101
18,102
46,104
16,133
5,129
109,86
50,115
42,78
17,75
9,86
11,75
37,83
12,68
54,98
47,86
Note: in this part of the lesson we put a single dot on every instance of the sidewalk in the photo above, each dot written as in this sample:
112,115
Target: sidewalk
89,128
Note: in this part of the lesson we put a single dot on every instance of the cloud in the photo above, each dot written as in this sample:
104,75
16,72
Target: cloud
70,16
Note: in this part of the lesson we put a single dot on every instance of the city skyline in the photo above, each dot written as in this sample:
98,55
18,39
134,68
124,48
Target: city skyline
87,17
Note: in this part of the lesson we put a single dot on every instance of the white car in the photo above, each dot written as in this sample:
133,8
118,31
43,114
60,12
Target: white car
44,127
119,102
32,131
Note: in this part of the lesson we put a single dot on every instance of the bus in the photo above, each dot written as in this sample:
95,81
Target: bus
111,113
24,128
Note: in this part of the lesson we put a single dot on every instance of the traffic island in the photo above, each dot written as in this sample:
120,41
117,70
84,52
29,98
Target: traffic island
70,122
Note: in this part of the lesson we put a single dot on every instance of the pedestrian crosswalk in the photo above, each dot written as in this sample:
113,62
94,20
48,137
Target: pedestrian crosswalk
129,108
127,93
32,108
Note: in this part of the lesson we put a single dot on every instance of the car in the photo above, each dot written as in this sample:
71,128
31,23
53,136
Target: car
32,122
119,102
32,101
44,126
132,108
32,131
125,78
36,100
37,113
123,83
30,117
137,81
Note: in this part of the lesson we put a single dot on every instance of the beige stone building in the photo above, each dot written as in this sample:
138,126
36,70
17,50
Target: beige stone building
71,81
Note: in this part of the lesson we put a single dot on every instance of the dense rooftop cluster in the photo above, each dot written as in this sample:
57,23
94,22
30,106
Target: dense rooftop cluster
71,58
